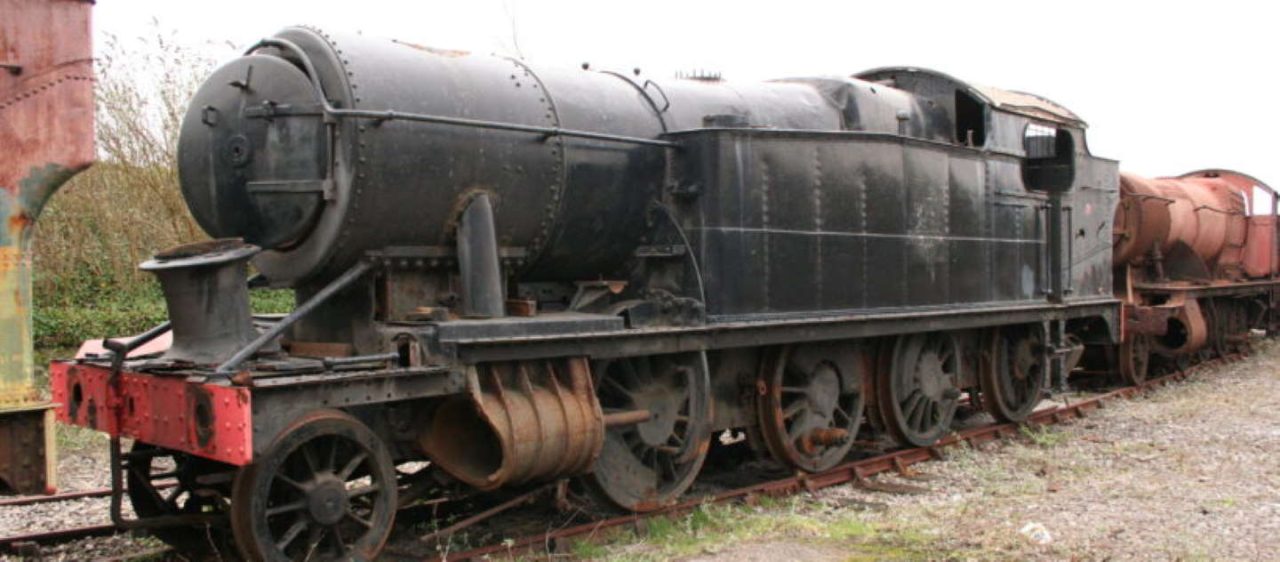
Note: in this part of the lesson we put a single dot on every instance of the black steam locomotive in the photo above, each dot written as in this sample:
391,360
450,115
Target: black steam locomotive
524,276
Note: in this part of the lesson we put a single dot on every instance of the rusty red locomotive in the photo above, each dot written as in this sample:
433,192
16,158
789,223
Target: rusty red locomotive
523,275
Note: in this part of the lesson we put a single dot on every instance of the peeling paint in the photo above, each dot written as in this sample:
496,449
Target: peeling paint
46,137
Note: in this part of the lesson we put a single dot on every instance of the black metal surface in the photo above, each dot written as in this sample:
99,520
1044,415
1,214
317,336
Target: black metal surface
325,489
810,403
207,299
482,295
861,220
337,285
411,129
1014,372
920,390
202,488
399,182
648,465
546,325
900,190
278,400
838,325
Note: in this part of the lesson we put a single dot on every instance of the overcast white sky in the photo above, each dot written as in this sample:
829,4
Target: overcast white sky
1166,87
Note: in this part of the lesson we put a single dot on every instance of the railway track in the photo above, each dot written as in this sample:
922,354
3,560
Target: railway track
858,472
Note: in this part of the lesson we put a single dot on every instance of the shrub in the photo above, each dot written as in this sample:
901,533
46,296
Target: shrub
95,231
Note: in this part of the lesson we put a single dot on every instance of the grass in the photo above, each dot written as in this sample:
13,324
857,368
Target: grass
92,234
714,528
63,323
1044,435
73,439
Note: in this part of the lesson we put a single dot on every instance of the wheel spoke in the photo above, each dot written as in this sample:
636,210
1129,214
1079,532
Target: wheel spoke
368,524
331,463
150,488
292,533
1020,392
362,491
619,388
842,413
286,508
313,542
340,546
310,457
172,499
912,402
945,355
352,465
669,464
665,450
795,408
915,418
291,482
793,373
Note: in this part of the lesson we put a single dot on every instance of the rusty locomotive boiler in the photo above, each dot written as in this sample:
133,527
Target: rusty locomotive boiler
1195,256
524,275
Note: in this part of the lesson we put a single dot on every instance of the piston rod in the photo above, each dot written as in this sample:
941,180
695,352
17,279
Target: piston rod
631,417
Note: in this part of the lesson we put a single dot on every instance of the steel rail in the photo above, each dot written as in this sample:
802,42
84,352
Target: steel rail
11,542
68,496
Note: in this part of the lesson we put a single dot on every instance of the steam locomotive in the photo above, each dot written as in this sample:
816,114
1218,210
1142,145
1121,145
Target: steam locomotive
528,275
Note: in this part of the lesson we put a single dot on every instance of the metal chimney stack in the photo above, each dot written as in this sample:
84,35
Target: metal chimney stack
206,290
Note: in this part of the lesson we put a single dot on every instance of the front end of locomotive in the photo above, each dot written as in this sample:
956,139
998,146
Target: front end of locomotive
307,162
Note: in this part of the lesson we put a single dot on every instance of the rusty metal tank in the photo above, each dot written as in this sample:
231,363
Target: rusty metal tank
46,137
1203,212
1256,257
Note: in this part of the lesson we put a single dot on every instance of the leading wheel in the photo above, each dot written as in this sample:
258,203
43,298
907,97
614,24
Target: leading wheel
198,487
1013,375
648,465
811,404
919,392
325,490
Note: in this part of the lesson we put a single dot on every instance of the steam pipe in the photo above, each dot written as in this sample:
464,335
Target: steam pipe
334,287
482,295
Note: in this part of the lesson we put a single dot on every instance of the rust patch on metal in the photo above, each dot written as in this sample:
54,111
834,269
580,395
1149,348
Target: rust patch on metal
46,136
1150,320
165,411
523,422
